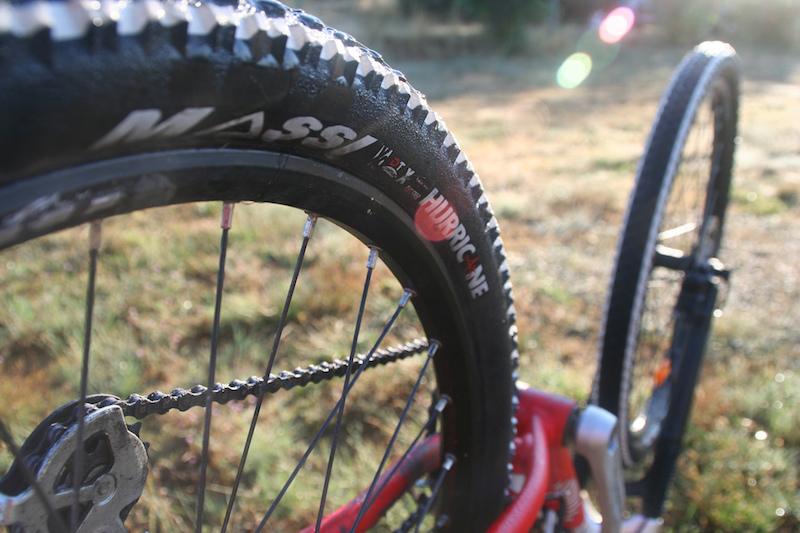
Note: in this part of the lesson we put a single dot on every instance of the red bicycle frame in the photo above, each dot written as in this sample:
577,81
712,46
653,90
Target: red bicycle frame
551,429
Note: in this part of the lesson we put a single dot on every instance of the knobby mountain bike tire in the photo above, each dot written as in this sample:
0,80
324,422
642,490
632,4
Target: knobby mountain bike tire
109,109
667,270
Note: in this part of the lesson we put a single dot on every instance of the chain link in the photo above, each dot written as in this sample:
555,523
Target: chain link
159,403
414,517
48,434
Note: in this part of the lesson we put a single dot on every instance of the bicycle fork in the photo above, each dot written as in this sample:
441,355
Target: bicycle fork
544,480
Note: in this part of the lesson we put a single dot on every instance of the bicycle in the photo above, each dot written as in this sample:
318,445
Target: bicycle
114,109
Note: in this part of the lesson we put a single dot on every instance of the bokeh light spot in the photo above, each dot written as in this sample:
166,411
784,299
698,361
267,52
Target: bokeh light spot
574,70
616,25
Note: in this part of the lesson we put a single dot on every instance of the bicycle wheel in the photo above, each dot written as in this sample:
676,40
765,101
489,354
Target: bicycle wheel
663,288
161,115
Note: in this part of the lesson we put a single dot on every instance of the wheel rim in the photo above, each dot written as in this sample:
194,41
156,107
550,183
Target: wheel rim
229,192
689,236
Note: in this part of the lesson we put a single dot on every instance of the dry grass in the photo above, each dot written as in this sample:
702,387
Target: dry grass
559,165
152,326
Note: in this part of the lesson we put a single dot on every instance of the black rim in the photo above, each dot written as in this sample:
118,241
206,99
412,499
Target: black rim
235,176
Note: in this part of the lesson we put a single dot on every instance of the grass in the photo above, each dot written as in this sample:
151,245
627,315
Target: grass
152,327
558,165
559,186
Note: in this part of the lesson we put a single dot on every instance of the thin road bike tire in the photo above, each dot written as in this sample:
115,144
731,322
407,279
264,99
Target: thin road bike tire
667,272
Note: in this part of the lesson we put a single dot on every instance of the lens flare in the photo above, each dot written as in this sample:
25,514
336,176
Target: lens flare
574,70
616,25
602,53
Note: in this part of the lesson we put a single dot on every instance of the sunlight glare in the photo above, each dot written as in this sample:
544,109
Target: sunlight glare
574,70
616,25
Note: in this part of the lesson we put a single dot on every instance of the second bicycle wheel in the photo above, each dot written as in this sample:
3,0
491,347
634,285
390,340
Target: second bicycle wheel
664,285
156,119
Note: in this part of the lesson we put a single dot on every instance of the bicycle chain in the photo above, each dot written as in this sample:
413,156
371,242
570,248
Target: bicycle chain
414,517
50,432
159,403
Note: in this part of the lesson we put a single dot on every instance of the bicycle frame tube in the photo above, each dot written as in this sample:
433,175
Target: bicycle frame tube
543,463
542,467
549,429
425,457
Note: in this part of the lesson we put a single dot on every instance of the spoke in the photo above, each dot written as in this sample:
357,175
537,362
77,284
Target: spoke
318,436
95,235
308,232
371,262
671,233
435,411
227,217
449,461
431,351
